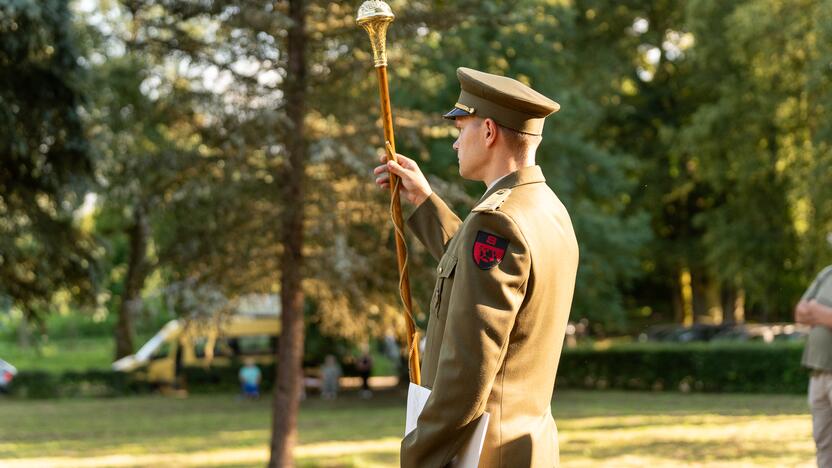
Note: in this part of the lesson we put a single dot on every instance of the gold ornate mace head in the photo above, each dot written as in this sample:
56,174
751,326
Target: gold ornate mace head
375,16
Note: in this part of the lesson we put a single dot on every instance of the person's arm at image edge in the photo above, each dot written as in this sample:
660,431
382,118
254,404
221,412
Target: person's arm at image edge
814,313
802,313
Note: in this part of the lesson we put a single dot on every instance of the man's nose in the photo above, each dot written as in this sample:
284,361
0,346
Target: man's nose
456,145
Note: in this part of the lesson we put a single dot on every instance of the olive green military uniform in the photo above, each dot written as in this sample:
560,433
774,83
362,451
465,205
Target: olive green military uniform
817,355
498,315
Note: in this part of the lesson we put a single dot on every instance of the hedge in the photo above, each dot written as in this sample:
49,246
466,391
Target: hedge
223,379
91,383
108,383
704,367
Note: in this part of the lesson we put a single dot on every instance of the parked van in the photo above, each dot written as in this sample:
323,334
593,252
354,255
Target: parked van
192,343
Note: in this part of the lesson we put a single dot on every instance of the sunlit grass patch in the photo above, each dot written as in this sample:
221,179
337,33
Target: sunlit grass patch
610,429
62,355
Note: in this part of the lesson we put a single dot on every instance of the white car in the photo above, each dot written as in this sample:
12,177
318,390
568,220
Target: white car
7,373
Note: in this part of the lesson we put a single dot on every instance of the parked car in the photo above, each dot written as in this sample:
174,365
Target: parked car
764,332
7,373
681,333
658,332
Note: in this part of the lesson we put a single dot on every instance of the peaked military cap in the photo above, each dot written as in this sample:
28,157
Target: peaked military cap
508,102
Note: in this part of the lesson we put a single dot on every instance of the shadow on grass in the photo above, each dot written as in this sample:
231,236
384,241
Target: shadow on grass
573,404
686,451
628,423
366,460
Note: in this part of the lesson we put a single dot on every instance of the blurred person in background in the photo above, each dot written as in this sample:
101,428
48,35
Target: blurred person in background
330,373
364,366
815,310
250,377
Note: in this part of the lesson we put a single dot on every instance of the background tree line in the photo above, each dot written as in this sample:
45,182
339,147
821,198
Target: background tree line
692,147
229,144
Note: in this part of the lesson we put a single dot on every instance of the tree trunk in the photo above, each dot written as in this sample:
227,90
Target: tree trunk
678,302
729,300
137,234
290,349
739,306
24,336
699,286
764,309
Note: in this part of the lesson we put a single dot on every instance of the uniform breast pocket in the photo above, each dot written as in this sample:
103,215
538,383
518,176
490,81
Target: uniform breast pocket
444,279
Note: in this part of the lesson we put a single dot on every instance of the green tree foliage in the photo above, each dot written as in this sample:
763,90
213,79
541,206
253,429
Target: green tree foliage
754,140
691,147
145,128
45,159
542,44
722,103
733,142
349,267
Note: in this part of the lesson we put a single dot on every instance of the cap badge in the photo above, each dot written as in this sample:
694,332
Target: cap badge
467,109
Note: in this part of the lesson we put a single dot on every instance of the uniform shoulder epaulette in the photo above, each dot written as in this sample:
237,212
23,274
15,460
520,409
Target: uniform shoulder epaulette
494,201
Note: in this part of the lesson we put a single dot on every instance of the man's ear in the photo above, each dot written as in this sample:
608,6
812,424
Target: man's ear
490,132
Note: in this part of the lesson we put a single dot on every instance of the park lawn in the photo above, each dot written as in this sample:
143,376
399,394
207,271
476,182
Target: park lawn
614,429
60,355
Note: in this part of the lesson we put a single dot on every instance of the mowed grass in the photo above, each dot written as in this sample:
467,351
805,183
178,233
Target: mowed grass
612,429
61,355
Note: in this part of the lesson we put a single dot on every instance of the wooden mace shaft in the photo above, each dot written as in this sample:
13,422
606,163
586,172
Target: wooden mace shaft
401,248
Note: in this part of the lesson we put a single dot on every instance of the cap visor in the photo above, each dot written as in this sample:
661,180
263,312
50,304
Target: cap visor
454,113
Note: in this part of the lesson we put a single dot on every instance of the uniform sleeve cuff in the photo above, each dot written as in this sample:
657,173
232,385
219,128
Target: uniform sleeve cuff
427,209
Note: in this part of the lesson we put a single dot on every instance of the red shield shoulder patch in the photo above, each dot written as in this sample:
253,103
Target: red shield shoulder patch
489,250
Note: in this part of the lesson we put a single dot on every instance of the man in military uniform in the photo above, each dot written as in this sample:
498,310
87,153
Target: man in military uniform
815,309
504,285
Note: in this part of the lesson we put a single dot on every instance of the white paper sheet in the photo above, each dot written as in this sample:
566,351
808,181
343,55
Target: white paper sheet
469,455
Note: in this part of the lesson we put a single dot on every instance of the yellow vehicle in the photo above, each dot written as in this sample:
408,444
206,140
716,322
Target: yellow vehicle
191,343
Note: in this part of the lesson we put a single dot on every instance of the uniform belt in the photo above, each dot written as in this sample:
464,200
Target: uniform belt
820,372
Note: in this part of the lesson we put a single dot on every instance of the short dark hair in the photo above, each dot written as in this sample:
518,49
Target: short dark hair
520,140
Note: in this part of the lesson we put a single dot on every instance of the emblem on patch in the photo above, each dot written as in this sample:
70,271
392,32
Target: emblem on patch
489,250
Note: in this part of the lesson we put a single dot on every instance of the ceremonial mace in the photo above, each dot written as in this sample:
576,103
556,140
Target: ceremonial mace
375,16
